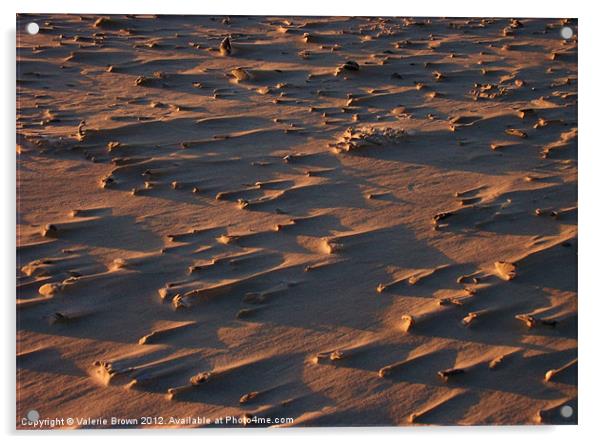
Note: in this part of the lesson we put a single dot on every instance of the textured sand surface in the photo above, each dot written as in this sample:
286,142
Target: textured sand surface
344,221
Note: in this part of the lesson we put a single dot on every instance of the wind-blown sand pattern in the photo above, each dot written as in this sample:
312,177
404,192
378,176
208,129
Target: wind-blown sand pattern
343,221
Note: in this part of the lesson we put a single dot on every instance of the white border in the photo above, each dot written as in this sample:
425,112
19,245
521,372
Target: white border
590,113
432,8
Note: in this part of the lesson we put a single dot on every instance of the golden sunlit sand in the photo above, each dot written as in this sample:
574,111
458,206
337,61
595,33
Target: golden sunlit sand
343,221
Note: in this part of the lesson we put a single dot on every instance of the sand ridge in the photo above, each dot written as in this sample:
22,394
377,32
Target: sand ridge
342,220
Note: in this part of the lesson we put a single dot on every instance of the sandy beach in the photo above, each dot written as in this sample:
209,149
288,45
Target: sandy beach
296,221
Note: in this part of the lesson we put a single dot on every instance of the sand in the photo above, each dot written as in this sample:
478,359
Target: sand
343,221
